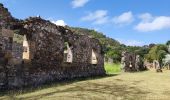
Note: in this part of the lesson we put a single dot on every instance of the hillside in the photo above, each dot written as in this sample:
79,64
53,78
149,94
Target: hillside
92,33
108,44
111,47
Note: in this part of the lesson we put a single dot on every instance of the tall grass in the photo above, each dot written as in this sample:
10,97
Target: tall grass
112,68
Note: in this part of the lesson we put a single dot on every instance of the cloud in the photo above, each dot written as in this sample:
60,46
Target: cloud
59,22
157,23
125,18
131,42
79,3
146,17
98,17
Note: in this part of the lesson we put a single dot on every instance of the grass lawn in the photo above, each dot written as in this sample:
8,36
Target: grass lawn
147,85
112,68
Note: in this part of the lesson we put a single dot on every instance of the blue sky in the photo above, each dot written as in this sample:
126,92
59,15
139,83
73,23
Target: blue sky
132,22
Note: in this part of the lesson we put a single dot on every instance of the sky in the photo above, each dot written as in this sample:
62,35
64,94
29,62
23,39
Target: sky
131,22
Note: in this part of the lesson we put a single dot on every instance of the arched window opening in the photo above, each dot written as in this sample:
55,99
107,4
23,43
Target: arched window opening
94,58
26,48
130,61
68,54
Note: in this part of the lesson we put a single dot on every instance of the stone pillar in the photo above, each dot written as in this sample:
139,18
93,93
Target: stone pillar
137,63
123,63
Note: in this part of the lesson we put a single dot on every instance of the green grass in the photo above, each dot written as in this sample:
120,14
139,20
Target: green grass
112,68
147,85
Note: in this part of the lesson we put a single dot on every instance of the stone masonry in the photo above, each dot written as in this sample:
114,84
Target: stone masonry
35,51
131,62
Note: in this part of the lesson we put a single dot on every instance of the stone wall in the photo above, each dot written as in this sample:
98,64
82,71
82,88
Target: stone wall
131,62
45,51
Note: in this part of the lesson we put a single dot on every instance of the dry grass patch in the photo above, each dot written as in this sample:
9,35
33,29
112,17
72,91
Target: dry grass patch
147,85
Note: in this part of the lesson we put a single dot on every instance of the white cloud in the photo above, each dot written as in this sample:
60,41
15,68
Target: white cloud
101,20
59,22
98,17
131,42
125,18
146,17
79,3
153,24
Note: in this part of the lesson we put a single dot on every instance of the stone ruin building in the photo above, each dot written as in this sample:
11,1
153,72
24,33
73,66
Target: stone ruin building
131,62
35,51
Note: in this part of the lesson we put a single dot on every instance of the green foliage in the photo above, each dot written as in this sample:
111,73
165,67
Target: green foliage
111,48
161,55
94,34
157,52
18,38
142,51
65,45
114,53
168,42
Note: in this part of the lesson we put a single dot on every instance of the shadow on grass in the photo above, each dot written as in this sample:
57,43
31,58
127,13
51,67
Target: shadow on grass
11,93
90,89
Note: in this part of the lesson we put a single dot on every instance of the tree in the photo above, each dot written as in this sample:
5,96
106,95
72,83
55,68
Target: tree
168,42
157,52
161,55
166,61
142,51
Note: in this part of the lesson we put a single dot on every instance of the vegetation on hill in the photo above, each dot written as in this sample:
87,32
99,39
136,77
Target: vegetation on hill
94,34
157,52
111,47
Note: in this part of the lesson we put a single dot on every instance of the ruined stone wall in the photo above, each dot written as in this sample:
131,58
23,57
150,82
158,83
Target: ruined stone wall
46,53
130,59
132,62
5,45
49,53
